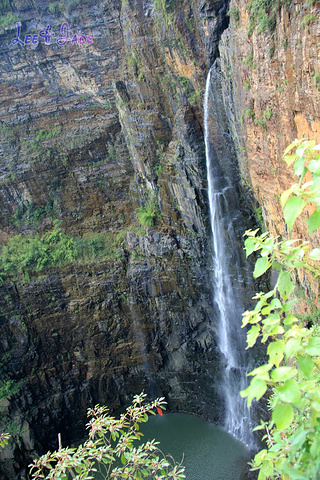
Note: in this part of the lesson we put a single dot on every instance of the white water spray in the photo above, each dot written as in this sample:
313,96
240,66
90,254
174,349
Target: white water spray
227,277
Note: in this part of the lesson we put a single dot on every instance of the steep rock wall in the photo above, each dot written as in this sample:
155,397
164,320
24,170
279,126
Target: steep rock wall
270,65
89,134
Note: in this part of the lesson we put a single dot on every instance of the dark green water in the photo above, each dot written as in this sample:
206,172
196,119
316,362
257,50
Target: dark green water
208,452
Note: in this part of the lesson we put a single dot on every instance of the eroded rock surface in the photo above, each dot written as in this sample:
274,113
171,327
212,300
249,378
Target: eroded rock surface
89,134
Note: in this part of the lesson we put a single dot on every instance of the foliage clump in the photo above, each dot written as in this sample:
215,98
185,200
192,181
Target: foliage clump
234,14
26,254
316,79
148,214
263,14
291,373
113,449
8,20
5,6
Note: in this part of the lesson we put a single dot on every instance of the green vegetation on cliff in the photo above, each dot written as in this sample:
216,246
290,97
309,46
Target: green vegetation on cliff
292,371
25,254
148,213
263,13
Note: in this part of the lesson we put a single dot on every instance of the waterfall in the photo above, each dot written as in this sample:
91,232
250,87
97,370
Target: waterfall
229,272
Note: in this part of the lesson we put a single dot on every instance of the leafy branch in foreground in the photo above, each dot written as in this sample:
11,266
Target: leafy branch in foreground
292,370
111,449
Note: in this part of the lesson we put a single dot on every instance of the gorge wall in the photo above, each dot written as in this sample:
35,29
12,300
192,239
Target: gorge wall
269,59
90,135
98,134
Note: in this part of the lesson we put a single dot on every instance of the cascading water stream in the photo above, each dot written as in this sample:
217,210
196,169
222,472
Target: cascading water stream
228,273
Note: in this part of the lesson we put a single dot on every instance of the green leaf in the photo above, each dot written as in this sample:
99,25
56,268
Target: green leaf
315,254
262,370
261,266
252,335
314,449
289,305
295,475
298,438
292,210
256,389
285,195
265,471
290,318
259,457
123,460
315,406
292,347
305,365
290,392
290,147
272,319
289,159
249,245
300,150
285,285
277,330
314,166
313,418
314,221
281,374
275,351
275,303
282,416
299,166
313,347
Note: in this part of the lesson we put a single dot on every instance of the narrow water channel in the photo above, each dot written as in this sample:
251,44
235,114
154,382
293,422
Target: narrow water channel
208,452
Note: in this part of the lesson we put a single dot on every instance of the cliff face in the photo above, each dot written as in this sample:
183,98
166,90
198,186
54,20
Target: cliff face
270,66
103,132
95,132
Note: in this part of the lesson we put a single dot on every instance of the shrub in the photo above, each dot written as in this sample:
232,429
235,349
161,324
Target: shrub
53,7
261,122
267,114
5,5
263,13
308,18
234,14
113,449
33,253
148,214
8,20
249,60
24,254
9,387
247,114
316,79
293,365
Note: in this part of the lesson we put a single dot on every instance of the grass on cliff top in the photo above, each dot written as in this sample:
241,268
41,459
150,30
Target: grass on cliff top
27,254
